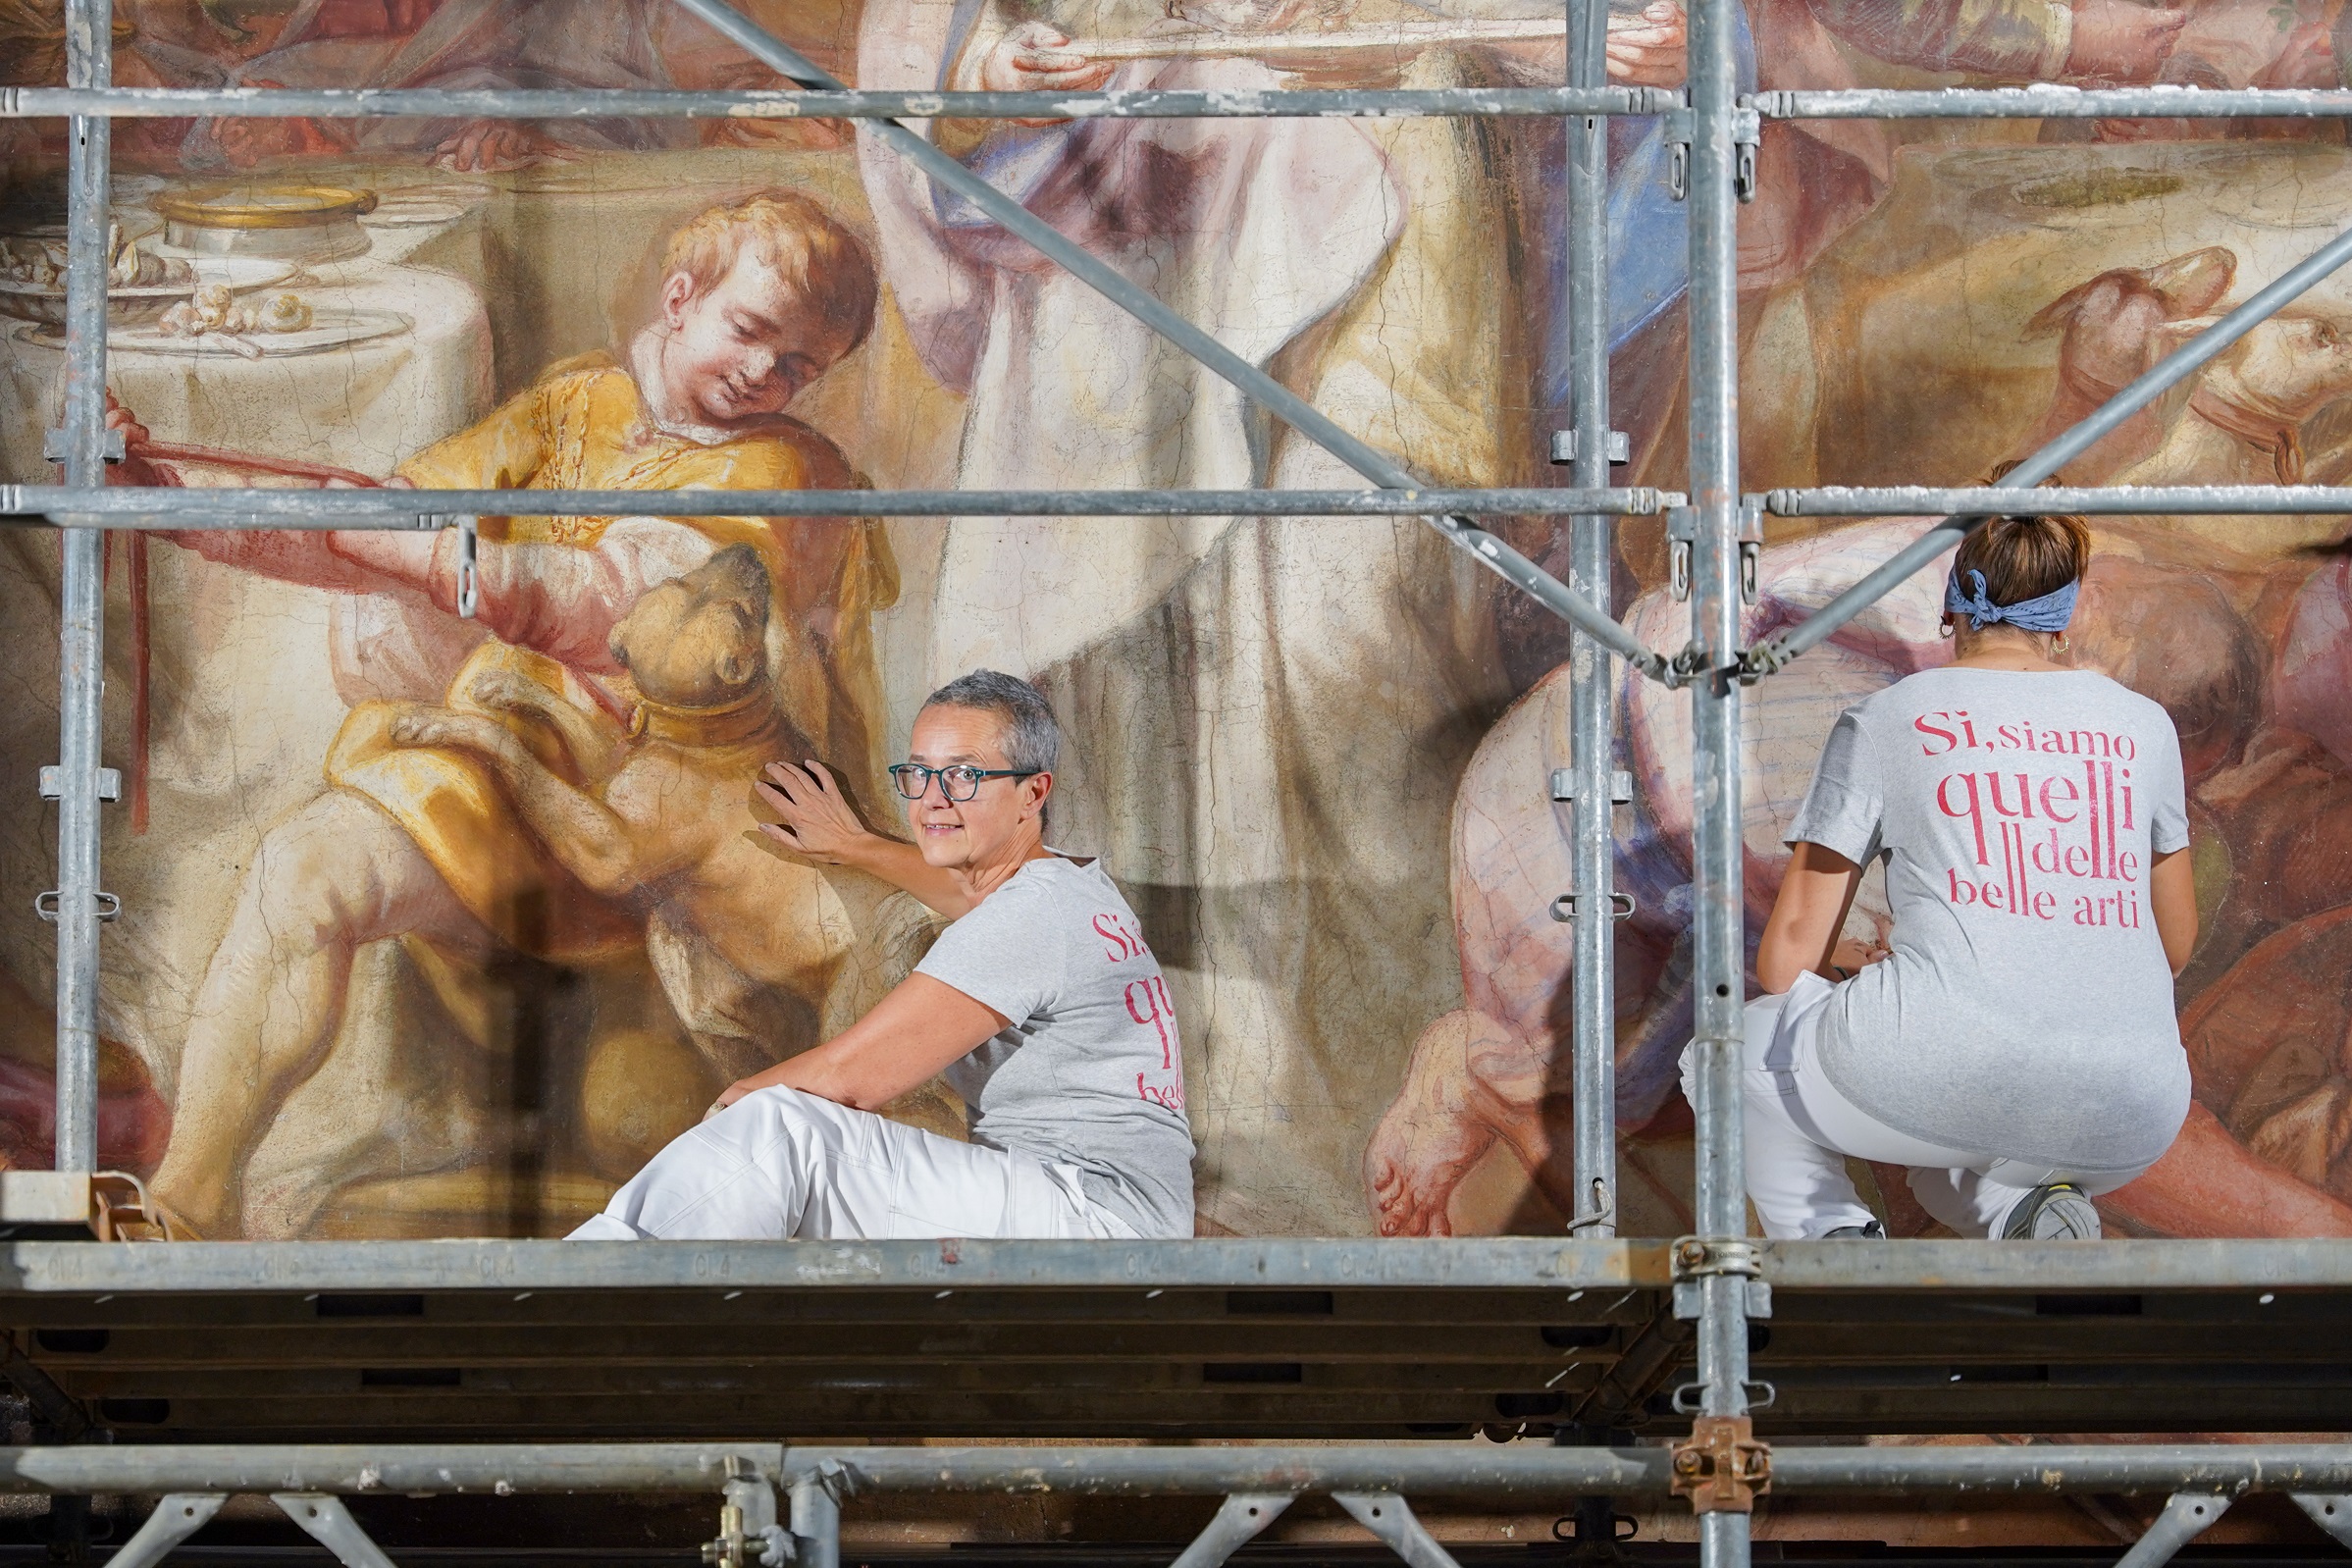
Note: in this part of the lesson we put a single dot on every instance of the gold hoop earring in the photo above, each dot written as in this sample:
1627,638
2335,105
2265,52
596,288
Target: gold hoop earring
2058,643
1944,629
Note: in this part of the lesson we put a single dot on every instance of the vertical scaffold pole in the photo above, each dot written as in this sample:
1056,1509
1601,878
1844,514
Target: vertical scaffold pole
1592,1014
82,630
1718,952
1592,1003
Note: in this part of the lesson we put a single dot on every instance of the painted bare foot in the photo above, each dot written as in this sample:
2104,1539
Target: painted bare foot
1468,1083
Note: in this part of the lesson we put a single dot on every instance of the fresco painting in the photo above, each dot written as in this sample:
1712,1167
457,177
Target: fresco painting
440,924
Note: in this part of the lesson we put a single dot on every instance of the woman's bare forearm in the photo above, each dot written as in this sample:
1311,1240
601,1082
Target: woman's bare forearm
903,867
1816,893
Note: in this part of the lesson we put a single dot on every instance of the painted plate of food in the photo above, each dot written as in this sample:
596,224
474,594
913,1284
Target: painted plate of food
216,323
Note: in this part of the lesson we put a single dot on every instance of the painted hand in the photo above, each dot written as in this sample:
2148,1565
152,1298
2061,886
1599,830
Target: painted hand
132,469
490,146
1649,50
2121,42
507,691
439,726
1035,56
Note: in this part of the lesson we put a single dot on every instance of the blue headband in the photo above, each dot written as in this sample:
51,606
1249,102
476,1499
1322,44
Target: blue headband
2049,613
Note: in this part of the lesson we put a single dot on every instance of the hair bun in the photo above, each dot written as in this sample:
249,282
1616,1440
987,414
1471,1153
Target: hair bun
2024,554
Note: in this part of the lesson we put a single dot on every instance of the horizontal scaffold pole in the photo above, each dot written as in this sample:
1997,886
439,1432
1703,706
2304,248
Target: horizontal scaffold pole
1251,380
1459,1469
2108,500
2177,366
502,1469
2049,101
539,103
173,508
2121,1467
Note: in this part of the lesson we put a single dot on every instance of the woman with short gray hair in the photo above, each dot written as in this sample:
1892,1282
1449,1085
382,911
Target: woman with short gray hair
1041,1005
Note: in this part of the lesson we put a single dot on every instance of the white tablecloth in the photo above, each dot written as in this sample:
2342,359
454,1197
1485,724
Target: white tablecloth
245,701
365,406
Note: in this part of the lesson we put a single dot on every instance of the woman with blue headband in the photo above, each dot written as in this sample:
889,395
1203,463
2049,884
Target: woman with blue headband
2015,1044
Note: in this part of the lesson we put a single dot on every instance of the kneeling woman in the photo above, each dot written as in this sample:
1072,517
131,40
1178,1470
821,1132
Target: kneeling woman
2017,1047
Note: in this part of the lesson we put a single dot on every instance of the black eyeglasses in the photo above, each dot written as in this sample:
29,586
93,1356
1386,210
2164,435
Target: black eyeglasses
957,781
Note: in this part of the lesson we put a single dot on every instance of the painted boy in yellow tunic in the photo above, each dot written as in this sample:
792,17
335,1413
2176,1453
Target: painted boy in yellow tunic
758,301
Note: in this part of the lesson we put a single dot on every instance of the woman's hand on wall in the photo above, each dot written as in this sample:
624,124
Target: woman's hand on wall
818,821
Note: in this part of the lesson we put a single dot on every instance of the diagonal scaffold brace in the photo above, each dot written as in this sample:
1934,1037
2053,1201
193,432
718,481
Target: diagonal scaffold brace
1775,652
1253,382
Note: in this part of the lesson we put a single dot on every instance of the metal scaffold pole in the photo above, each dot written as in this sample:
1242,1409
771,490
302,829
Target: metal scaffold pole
1593,999
1718,1264
80,445
1594,1019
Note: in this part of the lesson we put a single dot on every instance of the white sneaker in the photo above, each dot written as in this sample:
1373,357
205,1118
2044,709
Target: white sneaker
2058,1212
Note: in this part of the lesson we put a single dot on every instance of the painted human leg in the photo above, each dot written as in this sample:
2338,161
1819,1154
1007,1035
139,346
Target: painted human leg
335,875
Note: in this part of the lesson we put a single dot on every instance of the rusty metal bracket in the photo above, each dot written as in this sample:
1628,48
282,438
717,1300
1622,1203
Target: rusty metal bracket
123,1210
1722,1469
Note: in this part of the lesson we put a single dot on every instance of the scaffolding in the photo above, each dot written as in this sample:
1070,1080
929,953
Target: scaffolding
1064,1338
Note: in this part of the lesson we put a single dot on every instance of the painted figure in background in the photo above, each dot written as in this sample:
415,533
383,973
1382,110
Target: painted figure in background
2170,610
749,945
416,43
473,44
424,843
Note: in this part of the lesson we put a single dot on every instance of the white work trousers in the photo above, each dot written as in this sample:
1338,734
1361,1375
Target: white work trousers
1799,1132
782,1165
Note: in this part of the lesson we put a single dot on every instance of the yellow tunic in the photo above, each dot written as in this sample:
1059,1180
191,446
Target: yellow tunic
583,425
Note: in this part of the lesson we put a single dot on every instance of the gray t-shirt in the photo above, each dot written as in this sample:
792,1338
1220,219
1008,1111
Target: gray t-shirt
2026,1008
1090,1073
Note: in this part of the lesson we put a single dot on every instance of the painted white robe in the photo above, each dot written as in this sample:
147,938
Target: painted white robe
1268,719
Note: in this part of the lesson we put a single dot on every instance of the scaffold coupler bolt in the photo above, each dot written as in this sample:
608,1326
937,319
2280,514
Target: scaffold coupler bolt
1722,1468
1695,1258
748,1534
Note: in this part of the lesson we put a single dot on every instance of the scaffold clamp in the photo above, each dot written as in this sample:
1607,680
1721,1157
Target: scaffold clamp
749,1532
1621,786
1747,132
115,447
1620,446
48,904
1621,907
1697,1256
1722,1468
53,783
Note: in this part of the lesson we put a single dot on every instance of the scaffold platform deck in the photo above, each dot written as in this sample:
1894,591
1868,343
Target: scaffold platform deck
550,1340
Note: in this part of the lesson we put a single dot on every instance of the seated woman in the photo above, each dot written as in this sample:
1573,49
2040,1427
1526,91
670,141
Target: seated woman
2017,1047
1040,1004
